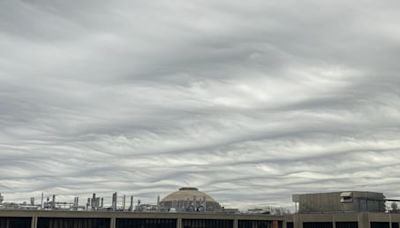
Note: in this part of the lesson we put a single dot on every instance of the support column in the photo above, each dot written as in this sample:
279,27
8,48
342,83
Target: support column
235,223
113,221
298,222
34,221
179,223
333,221
363,220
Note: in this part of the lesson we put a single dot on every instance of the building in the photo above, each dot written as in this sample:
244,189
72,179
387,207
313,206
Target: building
349,201
189,199
104,219
349,209
343,220
186,208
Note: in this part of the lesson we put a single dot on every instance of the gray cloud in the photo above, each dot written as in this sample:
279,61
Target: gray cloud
250,102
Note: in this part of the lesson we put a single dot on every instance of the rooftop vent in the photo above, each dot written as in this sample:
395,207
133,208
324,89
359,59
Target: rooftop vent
346,197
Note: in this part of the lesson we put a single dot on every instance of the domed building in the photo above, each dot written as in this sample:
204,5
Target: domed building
189,199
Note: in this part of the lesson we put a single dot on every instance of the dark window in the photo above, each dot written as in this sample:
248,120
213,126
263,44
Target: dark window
145,223
289,225
15,222
380,225
73,223
254,224
206,223
395,225
317,225
346,224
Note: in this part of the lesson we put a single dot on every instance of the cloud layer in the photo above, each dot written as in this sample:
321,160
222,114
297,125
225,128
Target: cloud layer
249,101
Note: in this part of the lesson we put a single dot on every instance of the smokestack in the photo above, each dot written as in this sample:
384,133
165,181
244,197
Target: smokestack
158,202
194,203
54,201
88,204
41,201
76,201
131,207
123,202
205,204
114,201
32,201
95,202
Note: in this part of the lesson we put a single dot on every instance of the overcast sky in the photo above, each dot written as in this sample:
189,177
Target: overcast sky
249,101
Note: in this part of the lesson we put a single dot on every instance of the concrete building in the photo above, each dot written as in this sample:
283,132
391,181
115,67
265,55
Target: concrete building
349,209
103,219
343,220
348,201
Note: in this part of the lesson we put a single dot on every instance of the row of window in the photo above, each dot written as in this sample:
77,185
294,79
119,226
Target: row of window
15,222
343,225
167,223
129,223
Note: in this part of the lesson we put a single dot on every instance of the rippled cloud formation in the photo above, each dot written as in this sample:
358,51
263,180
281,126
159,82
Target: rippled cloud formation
249,101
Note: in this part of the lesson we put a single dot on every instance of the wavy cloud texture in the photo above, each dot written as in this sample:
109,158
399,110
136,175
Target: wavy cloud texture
249,101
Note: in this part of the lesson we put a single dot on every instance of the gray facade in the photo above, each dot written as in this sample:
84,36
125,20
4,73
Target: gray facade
92,219
350,201
343,220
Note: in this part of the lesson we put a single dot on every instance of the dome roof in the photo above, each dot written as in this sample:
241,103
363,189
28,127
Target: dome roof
187,193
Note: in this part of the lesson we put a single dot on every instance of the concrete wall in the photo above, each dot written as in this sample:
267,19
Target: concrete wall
363,219
86,219
331,202
322,202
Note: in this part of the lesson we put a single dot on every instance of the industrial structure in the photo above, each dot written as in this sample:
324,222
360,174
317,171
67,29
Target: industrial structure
190,208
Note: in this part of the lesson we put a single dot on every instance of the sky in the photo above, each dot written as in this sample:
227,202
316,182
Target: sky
250,101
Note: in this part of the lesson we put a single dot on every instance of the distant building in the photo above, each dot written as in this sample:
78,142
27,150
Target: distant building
349,209
189,199
349,201
190,208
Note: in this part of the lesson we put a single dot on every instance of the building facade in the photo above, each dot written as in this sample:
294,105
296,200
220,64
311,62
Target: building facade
343,220
92,219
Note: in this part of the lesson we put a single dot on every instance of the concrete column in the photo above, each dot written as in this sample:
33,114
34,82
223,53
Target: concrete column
390,220
34,221
333,221
235,223
300,221
297,221
113,221
179,223
363,220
